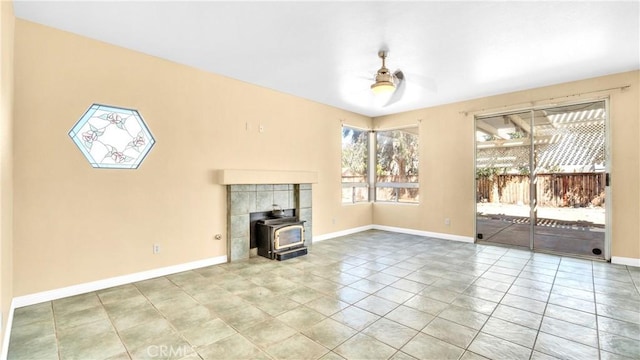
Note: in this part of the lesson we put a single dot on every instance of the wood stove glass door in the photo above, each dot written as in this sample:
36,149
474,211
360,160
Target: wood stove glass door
288,236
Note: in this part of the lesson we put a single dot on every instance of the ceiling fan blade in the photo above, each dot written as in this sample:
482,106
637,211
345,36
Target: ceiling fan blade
429,84
399,91
366,77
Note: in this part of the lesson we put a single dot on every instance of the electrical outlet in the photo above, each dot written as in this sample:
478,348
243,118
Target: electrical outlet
218,237
156,248
447,221
261,128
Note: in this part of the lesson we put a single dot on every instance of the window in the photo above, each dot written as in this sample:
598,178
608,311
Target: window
112,137
397,165
355,165
395,160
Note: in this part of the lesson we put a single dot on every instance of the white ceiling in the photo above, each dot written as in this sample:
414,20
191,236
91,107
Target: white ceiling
327,51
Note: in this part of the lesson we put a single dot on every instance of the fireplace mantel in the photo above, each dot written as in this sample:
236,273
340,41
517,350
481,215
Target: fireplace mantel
244,177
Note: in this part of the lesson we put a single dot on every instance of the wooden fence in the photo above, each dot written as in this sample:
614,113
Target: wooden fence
558,190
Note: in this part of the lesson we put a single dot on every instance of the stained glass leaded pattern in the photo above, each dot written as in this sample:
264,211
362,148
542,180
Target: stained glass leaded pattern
112,137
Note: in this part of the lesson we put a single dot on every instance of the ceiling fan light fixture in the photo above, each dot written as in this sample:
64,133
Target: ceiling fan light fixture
383,87
384,80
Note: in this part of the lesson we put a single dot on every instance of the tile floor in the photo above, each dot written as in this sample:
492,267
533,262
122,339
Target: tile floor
371,295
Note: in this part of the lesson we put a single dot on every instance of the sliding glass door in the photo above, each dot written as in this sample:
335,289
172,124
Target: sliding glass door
570,179
541,179
503,163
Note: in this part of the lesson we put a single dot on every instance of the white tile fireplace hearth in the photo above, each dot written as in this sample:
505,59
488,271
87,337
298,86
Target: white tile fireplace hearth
250,191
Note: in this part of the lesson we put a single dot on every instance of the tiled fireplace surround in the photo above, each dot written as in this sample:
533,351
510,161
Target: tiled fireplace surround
242,200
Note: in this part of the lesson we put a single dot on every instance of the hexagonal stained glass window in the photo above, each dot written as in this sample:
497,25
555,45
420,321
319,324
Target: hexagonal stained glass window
112,137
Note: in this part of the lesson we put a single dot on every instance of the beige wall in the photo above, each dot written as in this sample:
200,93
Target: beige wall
7,21
447,165
75,224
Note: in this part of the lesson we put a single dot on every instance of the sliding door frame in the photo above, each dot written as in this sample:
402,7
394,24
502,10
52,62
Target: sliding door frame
532,176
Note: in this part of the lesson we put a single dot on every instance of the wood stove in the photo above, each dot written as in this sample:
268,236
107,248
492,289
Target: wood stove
280,238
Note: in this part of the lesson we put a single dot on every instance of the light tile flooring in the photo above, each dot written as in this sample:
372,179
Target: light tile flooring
371,295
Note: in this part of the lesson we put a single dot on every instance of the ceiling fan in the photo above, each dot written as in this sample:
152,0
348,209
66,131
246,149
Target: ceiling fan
387,82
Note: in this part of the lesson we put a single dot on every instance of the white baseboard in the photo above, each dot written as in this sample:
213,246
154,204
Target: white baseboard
468,239
7,332
625,261
40,297
436,235
317,238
